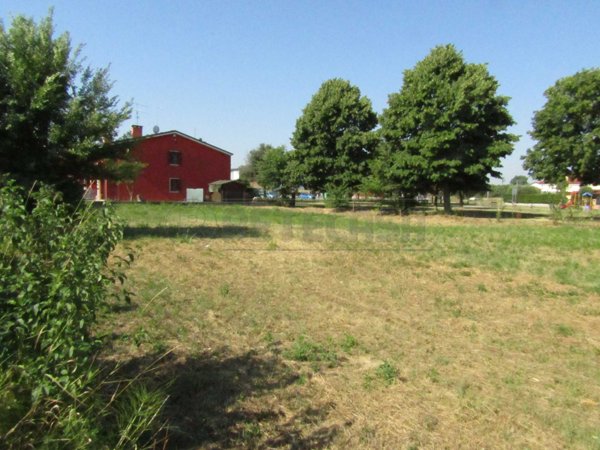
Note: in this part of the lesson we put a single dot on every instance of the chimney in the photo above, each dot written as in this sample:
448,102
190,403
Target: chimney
136,131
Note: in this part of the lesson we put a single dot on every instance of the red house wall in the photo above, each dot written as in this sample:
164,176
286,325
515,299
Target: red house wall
200,165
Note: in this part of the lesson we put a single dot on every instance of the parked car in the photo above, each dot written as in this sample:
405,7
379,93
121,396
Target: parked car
305,196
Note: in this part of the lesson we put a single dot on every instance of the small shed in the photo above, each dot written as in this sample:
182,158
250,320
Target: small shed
228,191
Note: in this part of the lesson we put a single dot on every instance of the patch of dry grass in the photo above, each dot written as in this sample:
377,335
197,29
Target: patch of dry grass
430,342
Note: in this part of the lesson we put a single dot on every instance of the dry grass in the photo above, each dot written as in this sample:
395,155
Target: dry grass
422,345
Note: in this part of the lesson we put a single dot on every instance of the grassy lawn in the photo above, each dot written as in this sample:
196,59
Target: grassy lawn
286,328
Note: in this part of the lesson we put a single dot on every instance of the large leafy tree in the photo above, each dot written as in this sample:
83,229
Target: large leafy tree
446,128
567,131
333,139
58,120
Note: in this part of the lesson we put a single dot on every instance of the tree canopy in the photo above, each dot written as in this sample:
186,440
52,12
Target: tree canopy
271,168
249,170
333,139
567,131
58,120
445,129
521,180
277,170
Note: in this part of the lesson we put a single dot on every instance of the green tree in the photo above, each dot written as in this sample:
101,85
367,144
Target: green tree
58,120
445,129
270,169
278,170
567,131
521,180
333,138
249,170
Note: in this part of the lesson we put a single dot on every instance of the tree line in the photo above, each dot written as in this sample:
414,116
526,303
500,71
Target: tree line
444,132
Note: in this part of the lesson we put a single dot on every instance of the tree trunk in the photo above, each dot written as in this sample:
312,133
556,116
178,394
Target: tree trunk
293,200
461,197
447,204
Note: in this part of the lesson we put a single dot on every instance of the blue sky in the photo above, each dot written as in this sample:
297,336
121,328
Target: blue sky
238,73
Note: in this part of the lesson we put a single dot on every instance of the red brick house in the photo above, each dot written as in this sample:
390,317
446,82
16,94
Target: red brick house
177,167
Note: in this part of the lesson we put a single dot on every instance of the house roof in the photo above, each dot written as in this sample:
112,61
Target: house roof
183,135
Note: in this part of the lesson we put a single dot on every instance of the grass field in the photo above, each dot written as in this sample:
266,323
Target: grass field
280,328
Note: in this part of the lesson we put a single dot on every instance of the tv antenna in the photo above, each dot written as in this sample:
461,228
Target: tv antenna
137,111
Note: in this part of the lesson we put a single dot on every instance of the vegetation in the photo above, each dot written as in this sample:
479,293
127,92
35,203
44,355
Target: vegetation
445,129
354,330
333,139
55,278
525,194
249,171
276,171
567,131
265,327
520,180
58,120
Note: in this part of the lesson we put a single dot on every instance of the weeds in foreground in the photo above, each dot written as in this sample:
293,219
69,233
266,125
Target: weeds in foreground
348,343
305,350
386,373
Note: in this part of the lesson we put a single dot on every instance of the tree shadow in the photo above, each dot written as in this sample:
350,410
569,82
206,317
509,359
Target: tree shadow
489,214
207,407
189,232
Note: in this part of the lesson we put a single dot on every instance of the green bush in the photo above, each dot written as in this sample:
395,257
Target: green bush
525,194
55,275
545,197
338,197
53,267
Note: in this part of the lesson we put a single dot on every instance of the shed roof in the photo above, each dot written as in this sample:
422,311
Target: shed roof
222,182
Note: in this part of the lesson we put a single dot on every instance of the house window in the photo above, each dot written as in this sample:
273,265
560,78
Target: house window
174,158
174,184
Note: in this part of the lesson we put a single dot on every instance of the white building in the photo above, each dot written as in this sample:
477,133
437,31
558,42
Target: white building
546,187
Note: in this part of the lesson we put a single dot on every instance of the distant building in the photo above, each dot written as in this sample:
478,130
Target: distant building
178,168
545,187
235,174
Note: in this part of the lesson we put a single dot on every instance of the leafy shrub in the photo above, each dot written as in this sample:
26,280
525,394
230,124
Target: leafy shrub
55,275
54,272
338,197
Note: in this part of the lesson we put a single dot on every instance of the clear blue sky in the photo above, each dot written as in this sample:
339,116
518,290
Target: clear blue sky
238,73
